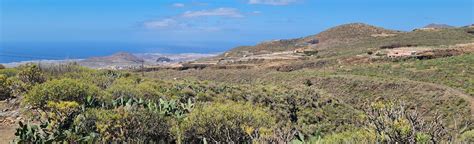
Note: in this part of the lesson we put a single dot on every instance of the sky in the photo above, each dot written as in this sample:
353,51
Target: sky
216,23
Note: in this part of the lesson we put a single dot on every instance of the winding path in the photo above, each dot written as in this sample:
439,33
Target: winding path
447,89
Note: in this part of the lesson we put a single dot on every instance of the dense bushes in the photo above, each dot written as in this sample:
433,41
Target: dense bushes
127,120
229,122
31,74
54,70
454,72
101,78
125,88
60,90
398,124
10,72
85,105
354,136
150,90
245,112
467,136
137,125
133,88
5,90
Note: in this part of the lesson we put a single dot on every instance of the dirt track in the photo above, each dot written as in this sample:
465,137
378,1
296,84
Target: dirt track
447,89
7,134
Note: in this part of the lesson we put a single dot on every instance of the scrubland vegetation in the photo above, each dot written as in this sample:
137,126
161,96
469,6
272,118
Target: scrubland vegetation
323,98
69,103
455,72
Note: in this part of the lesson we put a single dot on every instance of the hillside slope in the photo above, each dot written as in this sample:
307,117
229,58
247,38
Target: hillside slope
356,38
117,57
121,60
438,26
340,34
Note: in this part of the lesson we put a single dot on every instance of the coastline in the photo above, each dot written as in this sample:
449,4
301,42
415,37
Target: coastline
148,59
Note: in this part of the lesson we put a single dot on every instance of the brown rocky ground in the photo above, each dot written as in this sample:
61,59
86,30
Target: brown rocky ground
9,117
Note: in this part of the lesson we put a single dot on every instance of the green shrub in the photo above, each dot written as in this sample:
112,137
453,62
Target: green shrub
55,125
423,138
131,88
227,122
467,137
5,91
9,72
150,90
397,123
60,90
354,136
123,88
120,125
61,69
106,78
31,74
102,79
29,133
148,126
310,53
17,87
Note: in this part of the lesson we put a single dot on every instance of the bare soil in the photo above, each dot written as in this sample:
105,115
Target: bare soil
7,134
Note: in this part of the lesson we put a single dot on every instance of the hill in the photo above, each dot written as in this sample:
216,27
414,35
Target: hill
340,34
350,32
438,26
116,58
121,60
356,38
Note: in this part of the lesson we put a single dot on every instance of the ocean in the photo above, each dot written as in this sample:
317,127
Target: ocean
17,52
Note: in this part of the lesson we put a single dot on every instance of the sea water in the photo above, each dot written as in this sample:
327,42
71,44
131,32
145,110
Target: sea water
26,51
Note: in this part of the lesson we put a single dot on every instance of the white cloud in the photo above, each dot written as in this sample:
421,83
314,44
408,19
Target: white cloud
199,4
187,20
178,5
256,12
164,23
209,29
223,12
272,2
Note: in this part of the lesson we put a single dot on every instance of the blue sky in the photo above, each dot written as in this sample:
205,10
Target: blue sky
206,22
